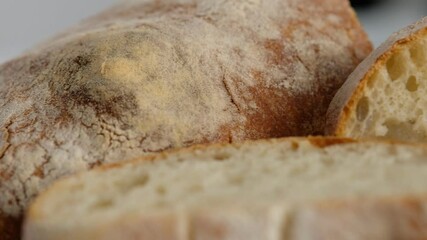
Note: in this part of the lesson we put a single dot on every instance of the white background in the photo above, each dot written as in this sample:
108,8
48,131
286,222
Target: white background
24,23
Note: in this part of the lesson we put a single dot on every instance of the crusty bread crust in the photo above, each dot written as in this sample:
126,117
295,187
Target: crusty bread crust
150,75
400,217
318,141
345,101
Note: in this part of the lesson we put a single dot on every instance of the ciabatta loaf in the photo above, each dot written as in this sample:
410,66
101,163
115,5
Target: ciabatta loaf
150,75
287,189
386,96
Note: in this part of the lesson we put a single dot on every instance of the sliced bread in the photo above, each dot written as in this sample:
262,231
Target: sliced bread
386,96
150,75
316,188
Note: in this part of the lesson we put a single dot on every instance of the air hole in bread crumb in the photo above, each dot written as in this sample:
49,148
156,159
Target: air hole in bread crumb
418,54
76,187
388,90
236,180
412,84
297,170
373,79
103,204
402,130
140,180
328,161
395,66
362,109
295,146
161,190
222,156
196,188
267,170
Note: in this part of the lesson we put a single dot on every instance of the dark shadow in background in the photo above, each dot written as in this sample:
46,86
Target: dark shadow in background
366,3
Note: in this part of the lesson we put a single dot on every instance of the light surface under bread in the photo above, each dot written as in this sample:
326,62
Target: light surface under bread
386,95
279,189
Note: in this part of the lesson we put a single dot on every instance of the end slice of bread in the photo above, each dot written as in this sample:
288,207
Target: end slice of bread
295,188
386,96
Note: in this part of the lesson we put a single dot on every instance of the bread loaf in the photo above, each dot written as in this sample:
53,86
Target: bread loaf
150,75
287,189
385,96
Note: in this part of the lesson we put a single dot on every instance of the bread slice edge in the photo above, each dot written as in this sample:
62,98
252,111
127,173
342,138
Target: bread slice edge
347,97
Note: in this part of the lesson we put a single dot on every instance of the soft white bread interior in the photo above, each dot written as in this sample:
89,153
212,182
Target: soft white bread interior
316,188
386,96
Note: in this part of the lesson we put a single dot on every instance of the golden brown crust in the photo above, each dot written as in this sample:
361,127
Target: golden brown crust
321,142
345,101
326,142
318,141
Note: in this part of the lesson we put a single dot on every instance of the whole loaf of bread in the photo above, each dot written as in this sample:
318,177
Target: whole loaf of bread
150,75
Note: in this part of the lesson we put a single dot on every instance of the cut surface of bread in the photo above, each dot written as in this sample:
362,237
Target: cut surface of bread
316,188
386,96
150,75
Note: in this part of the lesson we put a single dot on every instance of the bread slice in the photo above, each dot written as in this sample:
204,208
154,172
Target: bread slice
386,96
296,188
